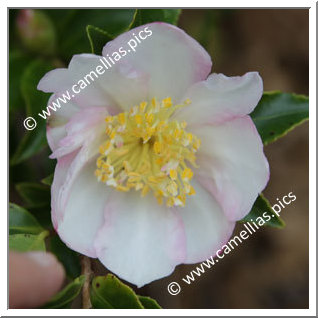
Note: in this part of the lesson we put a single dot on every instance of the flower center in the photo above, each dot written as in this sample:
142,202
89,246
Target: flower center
145,150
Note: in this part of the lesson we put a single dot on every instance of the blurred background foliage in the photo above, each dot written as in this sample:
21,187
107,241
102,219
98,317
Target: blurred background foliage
271,269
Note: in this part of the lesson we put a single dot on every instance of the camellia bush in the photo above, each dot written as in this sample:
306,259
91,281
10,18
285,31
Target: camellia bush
136,154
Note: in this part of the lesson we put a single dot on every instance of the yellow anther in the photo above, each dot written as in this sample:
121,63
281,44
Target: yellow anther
143,106
173,174
192,191
149,118
167,102
104,178
138,119
99,162
146,150
145,190
157,147
113,134
187,174
159,161
108,130
177,133
122,188
172,188
122,118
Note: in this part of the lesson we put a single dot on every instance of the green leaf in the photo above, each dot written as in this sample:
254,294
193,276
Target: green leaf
65,297
27,242
144,16
260,206
34,194
48,180
17,62
66,256
97,38
31,143
109,292
35,100
73,36
21,221
149,303
43,215
278,113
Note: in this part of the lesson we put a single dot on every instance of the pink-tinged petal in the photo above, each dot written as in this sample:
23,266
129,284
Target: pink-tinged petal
173,60
83,211
221,98
60,175
232,165
140,240
86,125
117,88
62,80
206,225
57,120
54,135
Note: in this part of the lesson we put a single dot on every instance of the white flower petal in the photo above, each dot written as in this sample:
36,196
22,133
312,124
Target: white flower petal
206,225
83,211
57,120
173,60
87,125
118,88
221,98
232,164
140,240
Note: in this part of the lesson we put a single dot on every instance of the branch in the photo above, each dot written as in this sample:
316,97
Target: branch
87,271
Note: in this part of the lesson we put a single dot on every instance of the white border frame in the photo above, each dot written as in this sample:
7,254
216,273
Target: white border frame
312,165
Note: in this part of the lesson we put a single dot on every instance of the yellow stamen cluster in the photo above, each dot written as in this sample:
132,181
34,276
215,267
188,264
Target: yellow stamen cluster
145,150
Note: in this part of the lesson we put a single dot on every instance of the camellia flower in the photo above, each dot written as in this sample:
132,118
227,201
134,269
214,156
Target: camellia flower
156,160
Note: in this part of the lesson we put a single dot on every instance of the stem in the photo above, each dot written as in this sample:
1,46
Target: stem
87,271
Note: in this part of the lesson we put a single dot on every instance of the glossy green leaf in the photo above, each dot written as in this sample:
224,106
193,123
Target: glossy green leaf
34,194
144,16
65,297
277,113
73,38
31,143
66,256
109,292
17,62
260,206
48,180
149,303
43,215
35,100
27,242
21,221
97,38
